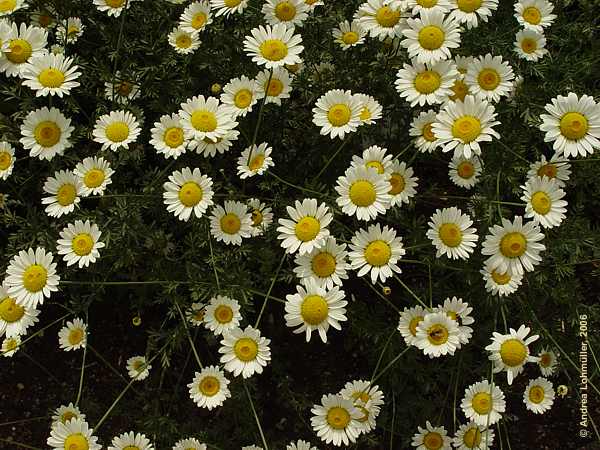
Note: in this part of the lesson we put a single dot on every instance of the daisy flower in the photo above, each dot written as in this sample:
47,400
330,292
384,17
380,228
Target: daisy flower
469,12
325,265
430,438
382,18
489,78
416,6
430,37
10,346
113,7
462,64
183,41
240,95
116,129
376,250
274,46
371,109
195,17
547,362
539,395
530,45
188,192
471,436
409,321
402,183
363,192
510,352
24,43
543,201
534,14
65,191
222,314
72,32
335,420
189,444
513,247
7,160
131,440
464,172
95,175
245,352
337,112
307,228
429,84
374,157
459,311
451,233
300,445
63,414
206,118
168,136
437,335
349,34
209,388
573,125
228,7
483,403
555,169
255,160
288,12
10,6
461,126
209,148
73,336
75,433
421,129
50,74
314,308
195,314
46,133
262,217
312,4
368,399
275,86
501,283
121,90
14,318
138,368
459,89
231,223
79,243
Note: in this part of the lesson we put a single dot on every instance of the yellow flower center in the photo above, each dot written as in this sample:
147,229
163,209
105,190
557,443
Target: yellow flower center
427,82
7,5
472,437
350,37
397,184
51,78
450,234
433,441
232,3
20,51
274,88
93,178
437,334
67,415
427,3
365,413
75,336
323,264
314,309
256,162
82,244
466,128
378,253
362,193
361,395
273,49
184,40
243,98
124,88
131,447
465,170
573,125
468,6
76,441
257,217
488,79
72,30
190,194
173,137
460,90
548,170
10,311
431,37
285,11
528,45
307,228
541,203
536,394
414,323
66,194
338,418
501,278
513,352
204,121
11,344
5,160
513,245
198,20
115,3
47,133
482,403
387,17
245,349
199,315
223,314
209,386
117,131
230,223
428,132
339,115
545,360
532,15
376,165
365,114
139,365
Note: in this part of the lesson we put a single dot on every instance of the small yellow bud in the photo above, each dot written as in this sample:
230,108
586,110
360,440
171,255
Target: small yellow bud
386,290
562,390
136,321
216,88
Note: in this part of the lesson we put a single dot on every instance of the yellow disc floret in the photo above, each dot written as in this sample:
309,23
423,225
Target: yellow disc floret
245,349
307,228
314,309
378,253
513,352
362,193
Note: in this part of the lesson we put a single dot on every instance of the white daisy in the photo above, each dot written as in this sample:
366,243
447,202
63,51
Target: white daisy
308,227
437,335
189,444
188,192
75,433
337,112
262,216
64,413
573,125
376,250
205,118
469,12
46,133
471,436
363,192
547,362
8,7
10,346
195,314
121,90
222,314
431,438
430,37
459,311
72,32
240,95
421,129
382,18
510,352
335,420
255,160
371,110
326,264
131,441
483,403
451,233
50,74
461,126
409,320
65,189
368,399
349,34
7,160
429,84
244,352
14,318
228,7
79,243
300,445
276,86
402,183
556,169
209,388
274,46
373,157
113,7
183,41
534,14
73,336
417,6
168,136
543,201
138,368
95,175
196,16
231,223
288,12
312,4
539,395
501,283
116,129
489,78
208,148
314,308
464,172
530,45
24,43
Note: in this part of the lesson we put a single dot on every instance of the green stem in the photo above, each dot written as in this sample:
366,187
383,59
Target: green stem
387,342
300,188
512,151
339,149
60,319
260,430
16,422
381,296
82,371
19,444
392,362
259,119
189,336
269,291
411,292
212,260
